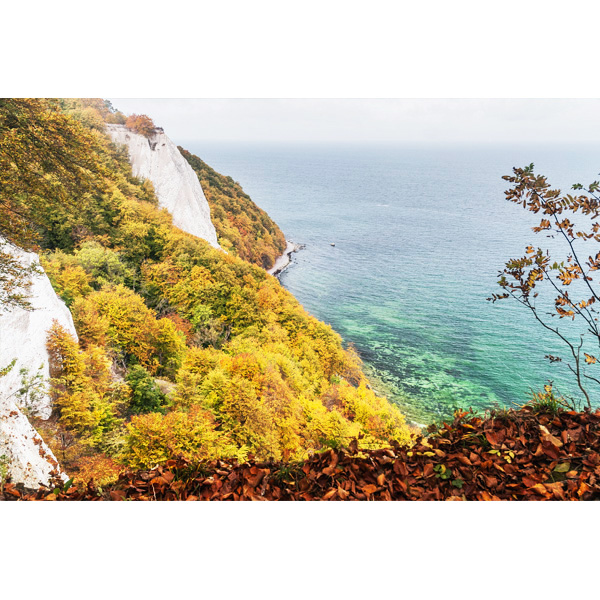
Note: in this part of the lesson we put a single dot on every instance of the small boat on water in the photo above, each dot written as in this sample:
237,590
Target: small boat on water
332,244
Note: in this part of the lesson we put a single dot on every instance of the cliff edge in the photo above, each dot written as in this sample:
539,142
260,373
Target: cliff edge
23,337
176,184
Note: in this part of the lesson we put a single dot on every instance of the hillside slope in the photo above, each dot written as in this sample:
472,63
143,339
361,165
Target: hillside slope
242,227
182,350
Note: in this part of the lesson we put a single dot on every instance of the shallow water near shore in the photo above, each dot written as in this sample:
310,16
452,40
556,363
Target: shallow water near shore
420,234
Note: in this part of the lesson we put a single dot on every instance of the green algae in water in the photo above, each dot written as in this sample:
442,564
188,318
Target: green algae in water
420,233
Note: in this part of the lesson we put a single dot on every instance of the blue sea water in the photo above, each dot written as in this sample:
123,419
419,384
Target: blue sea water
420,234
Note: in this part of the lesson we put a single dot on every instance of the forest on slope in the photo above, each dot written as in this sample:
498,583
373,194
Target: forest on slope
183,350
242,227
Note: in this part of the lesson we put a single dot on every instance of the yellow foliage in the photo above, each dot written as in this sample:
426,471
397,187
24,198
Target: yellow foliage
120,315
100,468
380,421
82,385
69,280
92,327
258,374
261,396
154,438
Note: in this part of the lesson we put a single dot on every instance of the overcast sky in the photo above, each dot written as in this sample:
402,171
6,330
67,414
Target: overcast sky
409,120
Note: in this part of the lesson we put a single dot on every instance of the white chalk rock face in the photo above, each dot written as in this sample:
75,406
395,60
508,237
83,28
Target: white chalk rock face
175,182
23,337
28,458
23,333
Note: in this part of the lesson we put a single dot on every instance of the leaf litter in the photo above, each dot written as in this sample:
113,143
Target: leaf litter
515,455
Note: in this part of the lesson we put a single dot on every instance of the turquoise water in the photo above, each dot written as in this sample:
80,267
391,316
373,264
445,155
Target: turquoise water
420,234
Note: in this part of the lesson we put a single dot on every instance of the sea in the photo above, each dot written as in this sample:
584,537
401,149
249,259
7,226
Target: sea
402,246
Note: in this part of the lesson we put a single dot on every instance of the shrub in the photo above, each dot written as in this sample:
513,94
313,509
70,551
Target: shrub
141,124
153,438
102,469
145,394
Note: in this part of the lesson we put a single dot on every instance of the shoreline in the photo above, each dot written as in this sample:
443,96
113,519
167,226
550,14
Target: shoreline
283,262
375,384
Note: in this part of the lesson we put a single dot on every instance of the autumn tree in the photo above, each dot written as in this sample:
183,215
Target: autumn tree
47,162
141,124
15,278
153,438
92,110
82,386
116,316
573,221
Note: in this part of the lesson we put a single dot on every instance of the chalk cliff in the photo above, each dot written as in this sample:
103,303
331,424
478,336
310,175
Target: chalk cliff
23,333
175,183
23,337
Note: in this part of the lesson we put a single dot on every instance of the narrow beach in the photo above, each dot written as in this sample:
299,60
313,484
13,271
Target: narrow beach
285,259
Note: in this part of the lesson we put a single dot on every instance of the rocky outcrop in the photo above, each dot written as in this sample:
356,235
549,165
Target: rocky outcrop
23,337
27,457
176,185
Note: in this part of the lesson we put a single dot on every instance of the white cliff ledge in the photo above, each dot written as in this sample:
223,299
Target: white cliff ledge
175,182
23,337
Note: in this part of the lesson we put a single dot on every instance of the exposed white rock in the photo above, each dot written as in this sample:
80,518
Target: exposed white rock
23,332
283,262
175,182
23,337
22,450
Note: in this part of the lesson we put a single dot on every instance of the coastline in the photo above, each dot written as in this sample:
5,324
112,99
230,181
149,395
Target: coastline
376,384
283,262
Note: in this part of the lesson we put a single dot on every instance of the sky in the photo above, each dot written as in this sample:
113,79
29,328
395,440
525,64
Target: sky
373,120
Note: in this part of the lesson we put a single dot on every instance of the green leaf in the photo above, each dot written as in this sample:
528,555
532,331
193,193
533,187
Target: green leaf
457,483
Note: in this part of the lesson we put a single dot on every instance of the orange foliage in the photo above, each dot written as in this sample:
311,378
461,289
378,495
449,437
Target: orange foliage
119,315
182,325
141,124
102,469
